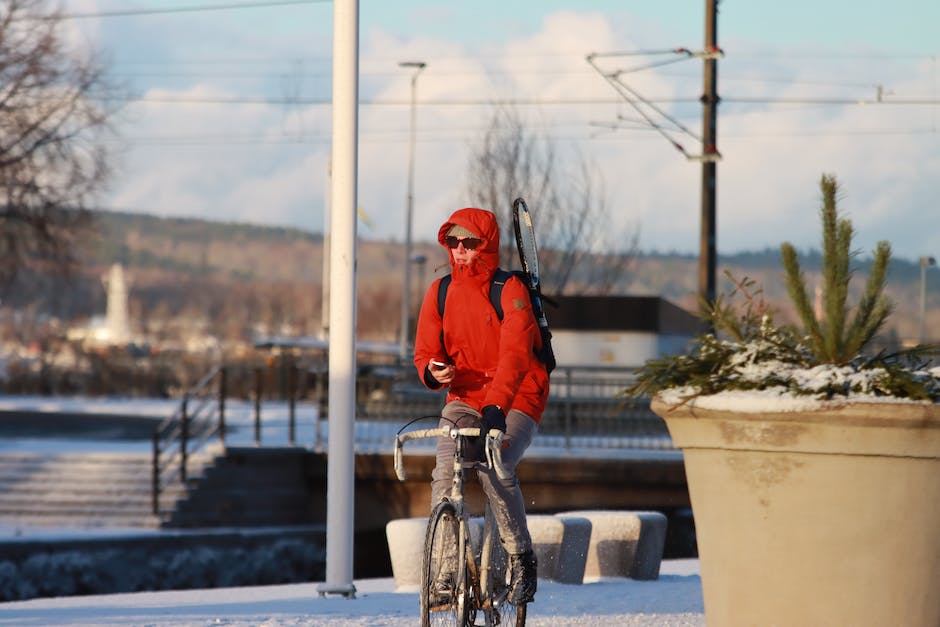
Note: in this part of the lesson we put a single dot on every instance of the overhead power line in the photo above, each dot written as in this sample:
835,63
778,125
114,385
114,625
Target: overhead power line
477,102
564,131
187,9
644,107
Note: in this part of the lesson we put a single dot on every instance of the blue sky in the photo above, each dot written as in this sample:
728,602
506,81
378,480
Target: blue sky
907,25
232,118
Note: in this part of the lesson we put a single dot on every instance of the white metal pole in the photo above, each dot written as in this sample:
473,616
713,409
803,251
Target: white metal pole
340,497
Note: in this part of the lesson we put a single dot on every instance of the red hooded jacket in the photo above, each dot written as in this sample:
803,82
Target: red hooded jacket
495,361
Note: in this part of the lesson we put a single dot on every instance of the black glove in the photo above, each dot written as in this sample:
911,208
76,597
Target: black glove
493,418
430,381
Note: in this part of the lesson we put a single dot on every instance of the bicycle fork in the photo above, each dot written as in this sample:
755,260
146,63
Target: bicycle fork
463,549
488,559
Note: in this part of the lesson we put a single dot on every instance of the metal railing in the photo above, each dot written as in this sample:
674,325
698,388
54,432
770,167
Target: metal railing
586,410
199,418
202,415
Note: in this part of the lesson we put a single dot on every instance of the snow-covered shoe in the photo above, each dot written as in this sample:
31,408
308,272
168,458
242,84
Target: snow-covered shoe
524,581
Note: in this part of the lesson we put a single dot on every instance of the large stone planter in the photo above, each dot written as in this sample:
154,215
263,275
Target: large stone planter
815,517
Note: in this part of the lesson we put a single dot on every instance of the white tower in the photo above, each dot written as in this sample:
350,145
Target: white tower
116,319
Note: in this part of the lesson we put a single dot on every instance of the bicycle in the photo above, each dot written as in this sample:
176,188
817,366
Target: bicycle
479,581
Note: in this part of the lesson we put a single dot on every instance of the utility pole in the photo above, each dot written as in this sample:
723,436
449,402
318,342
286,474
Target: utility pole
710,155
709,139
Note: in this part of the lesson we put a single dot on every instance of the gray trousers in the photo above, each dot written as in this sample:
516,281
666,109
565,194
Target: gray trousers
504,495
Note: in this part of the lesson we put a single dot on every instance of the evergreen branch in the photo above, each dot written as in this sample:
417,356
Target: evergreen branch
830,270
873,308
838,292
796,287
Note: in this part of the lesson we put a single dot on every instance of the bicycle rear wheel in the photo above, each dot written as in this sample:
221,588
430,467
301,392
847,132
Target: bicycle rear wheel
440,598
495,566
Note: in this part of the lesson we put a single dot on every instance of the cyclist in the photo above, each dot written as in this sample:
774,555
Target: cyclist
492,373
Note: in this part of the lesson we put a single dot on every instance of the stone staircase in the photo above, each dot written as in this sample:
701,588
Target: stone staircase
76,490
237,487
247,487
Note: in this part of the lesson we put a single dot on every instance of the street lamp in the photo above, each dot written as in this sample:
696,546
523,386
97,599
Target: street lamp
924,262
418,67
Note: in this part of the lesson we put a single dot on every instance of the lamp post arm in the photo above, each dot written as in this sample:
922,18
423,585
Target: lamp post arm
409,213
924,262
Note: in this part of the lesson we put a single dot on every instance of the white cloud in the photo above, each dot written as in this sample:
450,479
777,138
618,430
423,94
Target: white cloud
768,182
885,155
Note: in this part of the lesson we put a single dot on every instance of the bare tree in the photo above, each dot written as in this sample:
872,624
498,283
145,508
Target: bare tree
579,251
52,123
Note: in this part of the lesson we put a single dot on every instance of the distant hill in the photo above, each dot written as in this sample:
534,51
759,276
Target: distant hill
200,247
273,274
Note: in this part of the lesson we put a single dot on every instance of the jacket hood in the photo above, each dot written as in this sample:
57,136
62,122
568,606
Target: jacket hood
483,224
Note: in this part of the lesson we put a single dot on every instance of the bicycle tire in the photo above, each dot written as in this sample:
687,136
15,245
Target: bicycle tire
499,611
440,561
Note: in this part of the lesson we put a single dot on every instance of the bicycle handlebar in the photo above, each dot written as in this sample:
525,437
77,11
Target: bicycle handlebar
493,446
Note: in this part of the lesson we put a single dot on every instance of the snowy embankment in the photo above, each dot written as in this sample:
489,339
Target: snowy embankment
38,562
675,599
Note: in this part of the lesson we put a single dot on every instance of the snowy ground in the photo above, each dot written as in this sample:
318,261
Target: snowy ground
674,600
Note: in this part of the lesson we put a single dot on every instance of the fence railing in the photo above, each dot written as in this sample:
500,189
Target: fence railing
586,410
199,418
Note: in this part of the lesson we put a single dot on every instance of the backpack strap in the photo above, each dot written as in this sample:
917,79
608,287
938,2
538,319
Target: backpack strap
496,290
441,297
442,294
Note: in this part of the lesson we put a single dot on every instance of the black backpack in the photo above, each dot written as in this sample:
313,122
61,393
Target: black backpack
545,354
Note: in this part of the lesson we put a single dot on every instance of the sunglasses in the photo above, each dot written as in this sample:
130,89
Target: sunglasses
469,243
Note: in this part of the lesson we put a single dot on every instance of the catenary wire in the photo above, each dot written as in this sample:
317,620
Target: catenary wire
184,9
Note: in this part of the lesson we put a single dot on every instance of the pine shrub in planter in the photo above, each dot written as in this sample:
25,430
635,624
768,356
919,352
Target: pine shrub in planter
813,465
825,360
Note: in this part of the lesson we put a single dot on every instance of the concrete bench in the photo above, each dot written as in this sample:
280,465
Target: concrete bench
623,543
561,546
405,545
405,538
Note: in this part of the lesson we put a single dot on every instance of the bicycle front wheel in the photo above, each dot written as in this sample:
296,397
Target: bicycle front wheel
499,611
441,601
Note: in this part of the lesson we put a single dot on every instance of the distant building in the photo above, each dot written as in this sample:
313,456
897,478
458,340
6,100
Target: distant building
618,331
